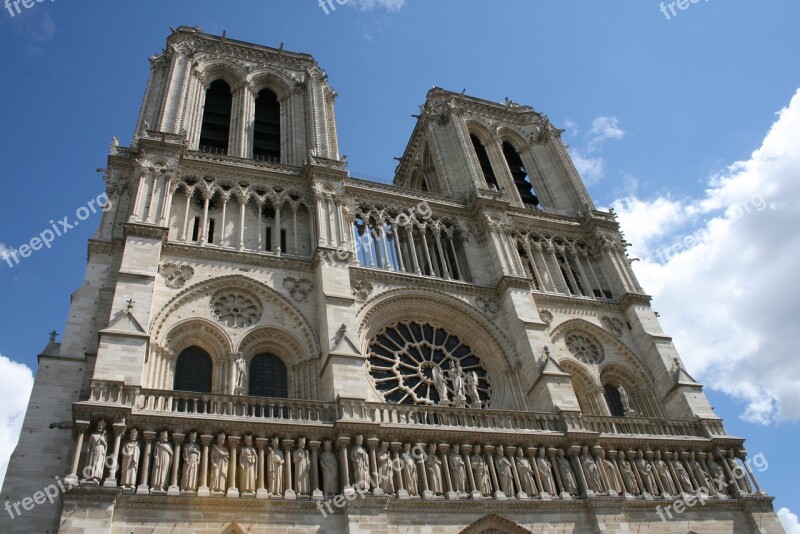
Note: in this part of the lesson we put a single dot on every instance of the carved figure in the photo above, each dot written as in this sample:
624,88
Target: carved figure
98,447
646,473
220,458
360,458
626,401
410,476
590,471
275,462
545,473
241,374
248,461
385,473
162,459
628,476
663,473
700,475
683,476
191,463
505,475
483,481
330,470
441,385
302,468
433,468
526,477
609,473
458,471
456,376
567,476
472,390
130,460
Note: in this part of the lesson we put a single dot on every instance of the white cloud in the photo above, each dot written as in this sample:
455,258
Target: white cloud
723,273
591,166
4,251
789,521
16,381
369,5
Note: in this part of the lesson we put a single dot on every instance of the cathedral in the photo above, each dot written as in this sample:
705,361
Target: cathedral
264,343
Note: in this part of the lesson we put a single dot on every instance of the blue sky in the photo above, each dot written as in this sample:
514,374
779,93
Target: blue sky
656,112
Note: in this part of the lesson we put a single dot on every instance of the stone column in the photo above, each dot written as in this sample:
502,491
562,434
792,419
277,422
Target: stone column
551,457
426,490
520,493
402,493
203,491
632,461
668,461
743,457
474,493
174,488
344,465
261,492
137,202
372,444
737,493
80,428
111,479
612,456
443,448
437,234
144,481
170,186
532,452
578,469
490,453
289,492
189,193
242,211
316,492
233,490
412,246
203,235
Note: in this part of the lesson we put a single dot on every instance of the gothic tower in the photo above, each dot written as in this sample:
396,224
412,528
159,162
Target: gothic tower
264,343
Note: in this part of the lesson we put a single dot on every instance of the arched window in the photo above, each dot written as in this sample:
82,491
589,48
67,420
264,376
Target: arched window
216,118
267,127
193,371
520,175
268,377
614,401
483,159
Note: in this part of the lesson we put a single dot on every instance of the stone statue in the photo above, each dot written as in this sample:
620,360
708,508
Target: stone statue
385,472
505,475
458,471
302,468
700,475
248,462
330,470
545,473
626,401
433,468
241,374
130,460
483,481
360,458
456,376
98,447
220,457
410,476
628,476
739,474
609,473
718,475
162,459
567,476
526,477
663,473
275,468
472,390
683,476
191,463
646,474
441,385
590,471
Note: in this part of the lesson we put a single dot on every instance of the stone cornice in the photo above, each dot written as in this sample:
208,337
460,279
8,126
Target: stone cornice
396,279
551,301
230,256
145,230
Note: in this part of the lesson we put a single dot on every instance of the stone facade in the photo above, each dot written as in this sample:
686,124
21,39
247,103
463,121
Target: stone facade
264,343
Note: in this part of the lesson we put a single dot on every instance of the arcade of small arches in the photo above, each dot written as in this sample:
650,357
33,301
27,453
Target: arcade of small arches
410,241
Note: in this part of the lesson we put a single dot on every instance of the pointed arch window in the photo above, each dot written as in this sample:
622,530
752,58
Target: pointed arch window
267,127
193,371
520,175
614,401
486,165
216,127
268,377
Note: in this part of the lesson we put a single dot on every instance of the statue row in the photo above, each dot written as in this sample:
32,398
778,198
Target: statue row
236,466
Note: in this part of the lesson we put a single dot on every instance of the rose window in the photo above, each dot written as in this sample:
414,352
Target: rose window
415,363
236,308
585,348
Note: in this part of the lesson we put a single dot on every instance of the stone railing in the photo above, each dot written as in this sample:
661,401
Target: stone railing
150,400
439,416
640,426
